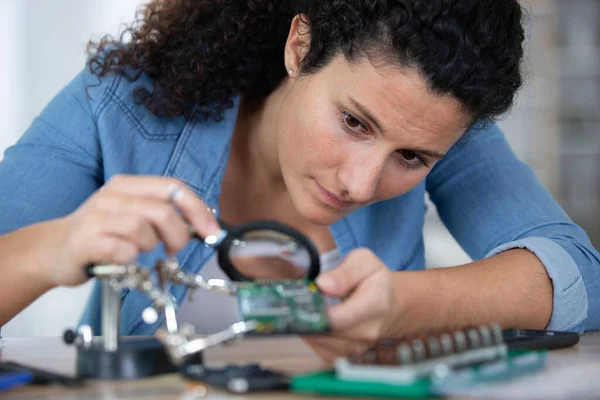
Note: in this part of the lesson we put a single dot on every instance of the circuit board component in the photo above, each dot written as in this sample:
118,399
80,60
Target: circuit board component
283,306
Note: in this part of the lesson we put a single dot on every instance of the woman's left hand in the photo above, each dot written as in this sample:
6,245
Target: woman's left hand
367,309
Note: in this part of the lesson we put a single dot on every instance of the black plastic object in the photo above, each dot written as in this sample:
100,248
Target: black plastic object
238,378
532,339
136,357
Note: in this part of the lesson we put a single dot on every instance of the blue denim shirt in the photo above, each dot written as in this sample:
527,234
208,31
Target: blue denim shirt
488,199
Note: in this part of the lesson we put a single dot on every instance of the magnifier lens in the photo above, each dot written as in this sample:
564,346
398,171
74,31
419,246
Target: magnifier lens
268,254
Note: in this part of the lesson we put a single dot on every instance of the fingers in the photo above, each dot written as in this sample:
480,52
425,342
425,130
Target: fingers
168,190
110,249
358,317
329,348
111,239
355,268
363,282
145,222
131,215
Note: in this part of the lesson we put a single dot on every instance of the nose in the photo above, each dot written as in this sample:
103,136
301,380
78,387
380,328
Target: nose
360,175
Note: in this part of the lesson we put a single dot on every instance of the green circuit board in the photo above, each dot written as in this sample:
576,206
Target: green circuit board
283,306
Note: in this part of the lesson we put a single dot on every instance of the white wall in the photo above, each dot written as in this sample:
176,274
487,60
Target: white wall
11,76
41,50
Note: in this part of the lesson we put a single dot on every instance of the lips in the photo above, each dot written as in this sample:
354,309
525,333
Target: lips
332,200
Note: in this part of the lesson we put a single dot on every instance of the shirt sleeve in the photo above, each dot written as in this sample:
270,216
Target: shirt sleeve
492,202
570,297
57,164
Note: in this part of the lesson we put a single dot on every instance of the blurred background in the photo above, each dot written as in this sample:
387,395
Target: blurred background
554,127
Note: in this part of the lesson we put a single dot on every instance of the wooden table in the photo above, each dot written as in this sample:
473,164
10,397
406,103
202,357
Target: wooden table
286,353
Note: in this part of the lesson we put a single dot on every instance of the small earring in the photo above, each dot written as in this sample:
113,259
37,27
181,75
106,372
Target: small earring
290,71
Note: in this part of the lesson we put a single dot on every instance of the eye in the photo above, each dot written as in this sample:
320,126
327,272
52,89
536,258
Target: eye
350,122
411,159
408,155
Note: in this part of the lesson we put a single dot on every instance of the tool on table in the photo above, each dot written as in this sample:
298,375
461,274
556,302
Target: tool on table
19,373
533,339
239,378
257,256
11,380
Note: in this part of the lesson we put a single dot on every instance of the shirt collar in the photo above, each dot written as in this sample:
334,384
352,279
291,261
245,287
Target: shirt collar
200,156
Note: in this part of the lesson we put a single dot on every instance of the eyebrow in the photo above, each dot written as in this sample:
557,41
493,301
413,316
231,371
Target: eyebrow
373,120
366,113
430,153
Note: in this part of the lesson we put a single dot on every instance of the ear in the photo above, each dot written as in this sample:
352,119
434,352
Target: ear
297,45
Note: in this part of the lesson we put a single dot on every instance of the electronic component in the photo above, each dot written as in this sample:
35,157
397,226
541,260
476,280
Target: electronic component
283,306
451,383
429,365
406,361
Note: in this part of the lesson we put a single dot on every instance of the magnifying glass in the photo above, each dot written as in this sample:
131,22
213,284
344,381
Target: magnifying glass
263,250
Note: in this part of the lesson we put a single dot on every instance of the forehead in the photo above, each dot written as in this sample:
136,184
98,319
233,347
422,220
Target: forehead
399,98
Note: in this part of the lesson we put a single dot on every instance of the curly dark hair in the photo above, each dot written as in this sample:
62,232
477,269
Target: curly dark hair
202,53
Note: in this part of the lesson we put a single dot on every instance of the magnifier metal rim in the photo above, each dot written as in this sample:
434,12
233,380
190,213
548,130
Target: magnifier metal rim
236,233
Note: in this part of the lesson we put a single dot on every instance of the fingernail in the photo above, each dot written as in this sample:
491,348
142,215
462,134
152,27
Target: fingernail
215,239
327,282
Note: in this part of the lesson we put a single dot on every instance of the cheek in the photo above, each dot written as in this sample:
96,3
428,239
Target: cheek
295,143
310,137
397,180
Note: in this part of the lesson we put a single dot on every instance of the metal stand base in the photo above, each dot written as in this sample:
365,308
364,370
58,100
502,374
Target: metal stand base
134,358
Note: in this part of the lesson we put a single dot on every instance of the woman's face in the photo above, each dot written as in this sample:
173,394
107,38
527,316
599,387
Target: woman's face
354,134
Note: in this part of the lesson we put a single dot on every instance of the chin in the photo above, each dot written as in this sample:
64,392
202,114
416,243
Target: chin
322,220
320,216
313,211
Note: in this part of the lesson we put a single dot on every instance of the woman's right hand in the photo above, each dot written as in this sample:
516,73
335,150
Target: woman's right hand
127,216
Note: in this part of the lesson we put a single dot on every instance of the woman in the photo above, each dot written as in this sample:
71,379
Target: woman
333,117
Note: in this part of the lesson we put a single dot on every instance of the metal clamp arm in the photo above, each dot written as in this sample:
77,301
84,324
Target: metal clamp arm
179,347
